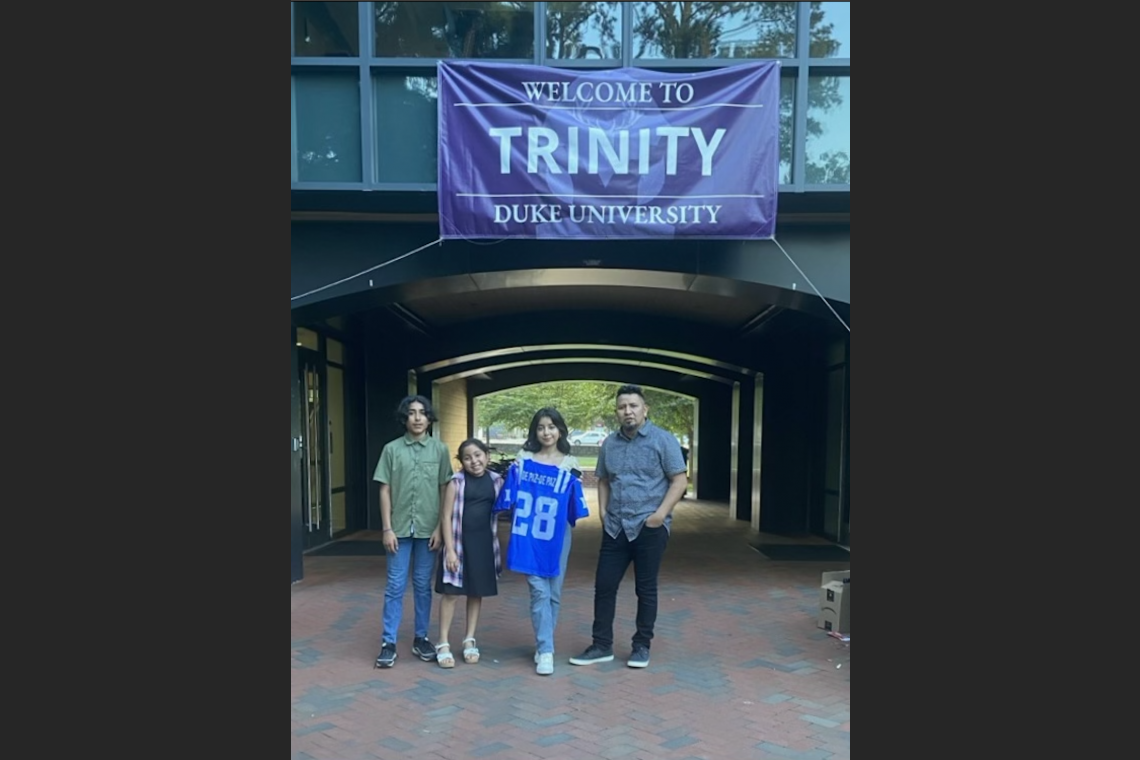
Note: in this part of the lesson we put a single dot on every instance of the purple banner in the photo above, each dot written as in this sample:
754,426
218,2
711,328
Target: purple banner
537,152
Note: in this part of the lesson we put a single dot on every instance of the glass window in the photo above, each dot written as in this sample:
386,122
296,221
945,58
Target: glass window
336,427
407,128
828,159
326,132
334,350
454,30
326,30
830,30
787,127
583,30
714,30
306,338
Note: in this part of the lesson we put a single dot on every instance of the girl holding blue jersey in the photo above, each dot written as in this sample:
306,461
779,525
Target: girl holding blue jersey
543,486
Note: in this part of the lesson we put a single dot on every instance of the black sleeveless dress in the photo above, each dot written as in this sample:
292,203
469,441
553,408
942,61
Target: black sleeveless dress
478,551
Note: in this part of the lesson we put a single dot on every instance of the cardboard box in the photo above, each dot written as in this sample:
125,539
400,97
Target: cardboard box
835,575
835,607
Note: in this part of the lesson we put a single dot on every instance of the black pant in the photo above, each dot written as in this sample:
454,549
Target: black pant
616,553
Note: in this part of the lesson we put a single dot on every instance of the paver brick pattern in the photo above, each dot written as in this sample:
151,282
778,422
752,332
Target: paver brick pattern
738,668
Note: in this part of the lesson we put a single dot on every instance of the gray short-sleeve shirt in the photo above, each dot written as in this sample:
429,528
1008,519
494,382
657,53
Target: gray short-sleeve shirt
638,471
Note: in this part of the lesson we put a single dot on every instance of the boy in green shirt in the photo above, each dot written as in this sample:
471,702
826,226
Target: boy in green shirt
415,474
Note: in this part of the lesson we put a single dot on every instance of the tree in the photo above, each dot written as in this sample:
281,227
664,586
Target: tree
830,169
824,94
566,25
455,30
580,404
583,404
697,30
671,411
821,44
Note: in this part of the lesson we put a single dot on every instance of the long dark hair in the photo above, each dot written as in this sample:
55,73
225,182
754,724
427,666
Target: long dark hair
532,445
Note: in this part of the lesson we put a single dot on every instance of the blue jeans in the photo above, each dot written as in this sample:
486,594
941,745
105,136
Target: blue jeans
545,599
414,552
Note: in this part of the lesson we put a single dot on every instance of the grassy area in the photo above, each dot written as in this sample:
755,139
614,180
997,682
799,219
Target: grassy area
588,463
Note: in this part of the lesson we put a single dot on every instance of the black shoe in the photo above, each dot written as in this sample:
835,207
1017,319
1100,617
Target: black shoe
639,658
423,649
593,653
387,657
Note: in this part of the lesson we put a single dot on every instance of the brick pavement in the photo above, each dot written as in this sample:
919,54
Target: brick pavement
738,668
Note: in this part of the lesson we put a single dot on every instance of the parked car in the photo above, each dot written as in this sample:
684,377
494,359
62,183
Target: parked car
588,438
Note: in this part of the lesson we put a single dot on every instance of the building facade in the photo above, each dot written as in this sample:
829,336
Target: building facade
756,332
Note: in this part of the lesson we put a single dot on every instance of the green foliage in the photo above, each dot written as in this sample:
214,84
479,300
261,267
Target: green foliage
694,29
583,403
567,23
680,30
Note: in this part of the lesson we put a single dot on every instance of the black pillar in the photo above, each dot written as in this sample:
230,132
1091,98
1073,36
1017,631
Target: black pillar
296,536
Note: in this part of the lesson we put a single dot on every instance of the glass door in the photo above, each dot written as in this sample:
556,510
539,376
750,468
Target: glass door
314,447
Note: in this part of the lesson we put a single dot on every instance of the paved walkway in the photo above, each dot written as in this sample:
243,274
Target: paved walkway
738,668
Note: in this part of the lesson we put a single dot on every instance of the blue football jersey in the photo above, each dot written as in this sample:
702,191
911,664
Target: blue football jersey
547,501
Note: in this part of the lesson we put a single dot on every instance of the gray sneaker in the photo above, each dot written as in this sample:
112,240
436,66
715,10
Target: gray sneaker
639,658
593,653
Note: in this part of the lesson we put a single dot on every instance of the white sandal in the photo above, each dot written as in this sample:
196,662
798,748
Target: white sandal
445,658
470,653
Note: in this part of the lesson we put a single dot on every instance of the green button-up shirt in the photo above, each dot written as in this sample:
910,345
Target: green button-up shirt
414,470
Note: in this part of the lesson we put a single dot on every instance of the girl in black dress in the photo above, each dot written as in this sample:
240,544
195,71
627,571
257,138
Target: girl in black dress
470,563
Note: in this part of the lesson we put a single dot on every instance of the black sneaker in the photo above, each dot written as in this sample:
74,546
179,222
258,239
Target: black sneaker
423,649
593,653
639,658
387,657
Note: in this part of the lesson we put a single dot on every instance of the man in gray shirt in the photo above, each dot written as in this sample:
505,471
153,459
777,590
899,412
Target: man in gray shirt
641,477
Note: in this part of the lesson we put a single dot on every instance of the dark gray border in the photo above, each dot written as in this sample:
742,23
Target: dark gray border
369,170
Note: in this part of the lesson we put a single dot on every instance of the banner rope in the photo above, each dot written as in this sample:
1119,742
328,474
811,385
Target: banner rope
366,271
809,282
440,242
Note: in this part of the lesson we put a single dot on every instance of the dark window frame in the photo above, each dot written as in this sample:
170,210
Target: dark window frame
367,66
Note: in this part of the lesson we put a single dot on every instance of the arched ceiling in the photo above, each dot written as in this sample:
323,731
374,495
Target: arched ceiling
650,312
744,306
